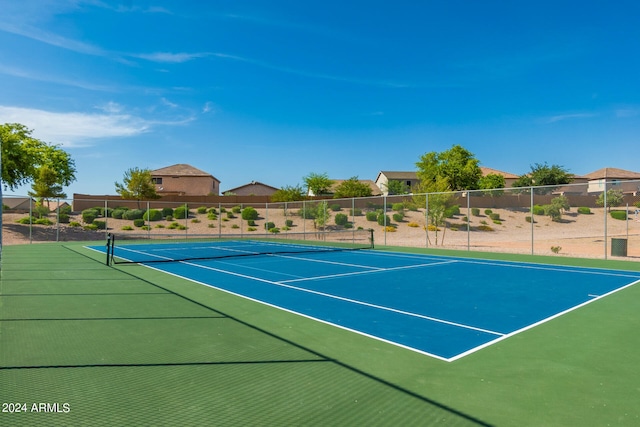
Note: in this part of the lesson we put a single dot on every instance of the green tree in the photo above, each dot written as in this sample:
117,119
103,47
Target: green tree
438,201
47,184
395,187
544,175
614,198
317,183
457,165
352,187
288,193
321,214
23,157
558,205
137,185
493,184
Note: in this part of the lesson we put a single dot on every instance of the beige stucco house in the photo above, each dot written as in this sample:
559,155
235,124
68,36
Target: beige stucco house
254,188
184,180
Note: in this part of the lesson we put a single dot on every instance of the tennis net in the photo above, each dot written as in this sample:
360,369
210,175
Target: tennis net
153,248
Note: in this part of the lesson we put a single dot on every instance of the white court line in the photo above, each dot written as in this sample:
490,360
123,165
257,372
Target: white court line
366,304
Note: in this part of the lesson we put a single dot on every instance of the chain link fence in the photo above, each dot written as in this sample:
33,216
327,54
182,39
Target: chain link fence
591,220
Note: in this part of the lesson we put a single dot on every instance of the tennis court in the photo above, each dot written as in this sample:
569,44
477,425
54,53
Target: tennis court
444,307
334,337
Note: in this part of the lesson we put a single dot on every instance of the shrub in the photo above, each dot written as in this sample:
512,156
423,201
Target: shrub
529,219
383,219
249,214
494,216
159,226
212,216
475,211
497,221
584,210
398,207
169,218
288,223
44,221
371,216
348,225
251,223
202,210
88,215
133,214
181,212
484,228
556,249
195,221
127,228
236,209
619,215
235,226
355,212
26,220
100,225
269,226
398,217
488,212
390,229
413,225
74,224
212,211
138,222
152,215
63,218
432,227
274,230
118,213
341,219
452,211
307,213
335,207
92,227
538,210
41,211
251,229
167,212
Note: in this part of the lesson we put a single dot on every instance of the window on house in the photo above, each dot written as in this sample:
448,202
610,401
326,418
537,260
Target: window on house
157,181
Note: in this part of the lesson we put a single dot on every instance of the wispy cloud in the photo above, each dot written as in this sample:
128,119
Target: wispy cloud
564,117
169,57
50,78
74,129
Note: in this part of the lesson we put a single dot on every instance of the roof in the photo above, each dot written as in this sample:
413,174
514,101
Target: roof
487,171
181,169
396,175
251,184
612,173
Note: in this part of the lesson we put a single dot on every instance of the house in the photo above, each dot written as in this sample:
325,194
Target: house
616,179
410,179
254,188
18,203
509,178
184,180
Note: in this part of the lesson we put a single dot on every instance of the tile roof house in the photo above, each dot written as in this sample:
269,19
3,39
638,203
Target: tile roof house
509,178
254,188
375,190
184,180
616,179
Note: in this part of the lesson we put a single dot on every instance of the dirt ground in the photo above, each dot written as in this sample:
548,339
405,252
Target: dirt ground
576,234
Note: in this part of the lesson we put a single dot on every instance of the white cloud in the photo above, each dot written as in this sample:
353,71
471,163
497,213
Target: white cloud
72,129
563,117
170,57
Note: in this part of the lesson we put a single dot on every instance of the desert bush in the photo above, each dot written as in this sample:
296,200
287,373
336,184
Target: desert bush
251,223
230,215
528,219
63,218
152,215
371,216
269,226
236,209
138,222
249,214
335,207
88,215
288,223
348,225
41,211
100,225
91,227
133,214
584,210
44,221
195,221
413,224
355,212
398,217
26,220
212,211
181,212
202,210
488,212
390,229
251,229
235,226
212,216
167,212
494,216
537,210
484,228
168,218
127,228
475,211
398,207
274,230
622,215
383,219
307,212
117,213
341,219
74,224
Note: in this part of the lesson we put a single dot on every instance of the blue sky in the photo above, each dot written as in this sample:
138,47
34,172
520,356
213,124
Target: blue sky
275,90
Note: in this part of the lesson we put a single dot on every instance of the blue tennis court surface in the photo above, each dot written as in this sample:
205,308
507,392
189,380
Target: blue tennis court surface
443,307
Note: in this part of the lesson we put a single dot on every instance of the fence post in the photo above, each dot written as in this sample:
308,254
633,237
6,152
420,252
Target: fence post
532,220
605,219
